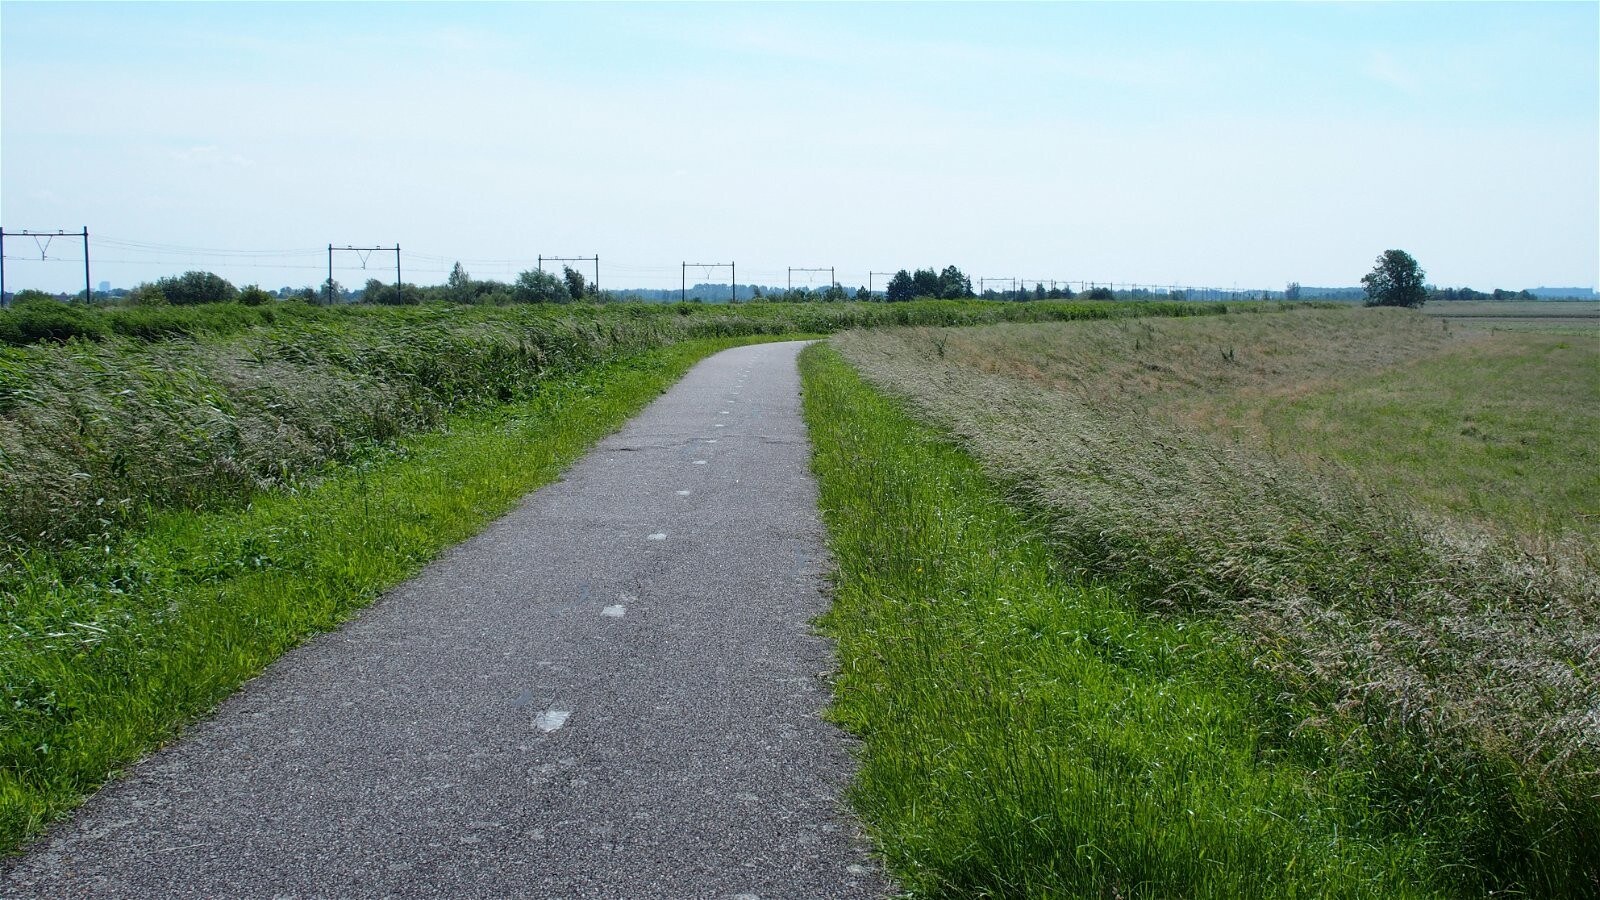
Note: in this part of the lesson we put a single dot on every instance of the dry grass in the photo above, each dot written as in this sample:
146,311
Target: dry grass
1461,672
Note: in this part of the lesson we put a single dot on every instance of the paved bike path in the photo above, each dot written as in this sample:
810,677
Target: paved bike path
611,692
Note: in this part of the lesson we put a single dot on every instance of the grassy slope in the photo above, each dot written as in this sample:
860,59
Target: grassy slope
1031,734
1455,683
187,609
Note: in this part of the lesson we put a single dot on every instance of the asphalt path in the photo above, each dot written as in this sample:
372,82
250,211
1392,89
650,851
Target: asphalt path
614,691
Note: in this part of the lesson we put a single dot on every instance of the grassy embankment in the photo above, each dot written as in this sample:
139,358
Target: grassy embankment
1197,666
187,493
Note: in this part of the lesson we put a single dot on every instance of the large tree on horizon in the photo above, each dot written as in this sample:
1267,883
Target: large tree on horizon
1396,280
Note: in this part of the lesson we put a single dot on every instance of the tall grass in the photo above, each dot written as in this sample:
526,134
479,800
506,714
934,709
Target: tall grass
202,407
1454,680
1031,733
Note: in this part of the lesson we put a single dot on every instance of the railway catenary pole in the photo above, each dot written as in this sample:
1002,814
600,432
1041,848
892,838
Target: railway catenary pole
88,285
870,292
399,286
829,269
683,278
594,259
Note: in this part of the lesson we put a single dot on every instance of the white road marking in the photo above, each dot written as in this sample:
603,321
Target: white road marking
699,462
719,425
615,611
711,440
722,412
683,493
658,536
551,719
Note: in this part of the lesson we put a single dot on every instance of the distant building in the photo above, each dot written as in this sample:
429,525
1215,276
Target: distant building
105,287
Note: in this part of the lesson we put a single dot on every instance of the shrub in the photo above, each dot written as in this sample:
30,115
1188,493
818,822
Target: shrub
193,288
253,295
32,320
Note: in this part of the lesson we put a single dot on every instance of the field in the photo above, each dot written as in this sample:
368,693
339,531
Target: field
1564,317
1144,608
185,493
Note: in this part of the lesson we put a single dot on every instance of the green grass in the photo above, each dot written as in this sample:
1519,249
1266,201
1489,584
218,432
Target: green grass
1500,431
1445,682
101,662
1027,733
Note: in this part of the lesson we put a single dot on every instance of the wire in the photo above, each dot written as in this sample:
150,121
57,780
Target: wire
149,247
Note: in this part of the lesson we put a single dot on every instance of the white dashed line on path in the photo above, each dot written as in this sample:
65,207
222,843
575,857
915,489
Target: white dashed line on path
551,719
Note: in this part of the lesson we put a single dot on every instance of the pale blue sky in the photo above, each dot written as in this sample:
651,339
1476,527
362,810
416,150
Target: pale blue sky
1221,144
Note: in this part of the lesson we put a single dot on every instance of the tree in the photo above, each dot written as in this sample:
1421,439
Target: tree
539,287
192,288
901,288
1292,292
863,294
1396,280
31,295
954,284
925,283
459,284
575,283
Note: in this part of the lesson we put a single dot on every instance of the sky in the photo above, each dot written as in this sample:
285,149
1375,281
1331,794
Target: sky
1230,145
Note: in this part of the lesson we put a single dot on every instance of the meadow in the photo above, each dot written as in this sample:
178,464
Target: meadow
1581,317
1149,608
187,492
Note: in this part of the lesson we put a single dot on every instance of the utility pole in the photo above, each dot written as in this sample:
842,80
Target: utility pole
88,286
